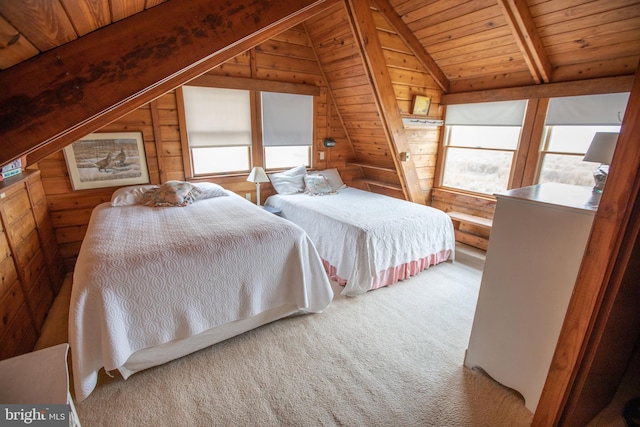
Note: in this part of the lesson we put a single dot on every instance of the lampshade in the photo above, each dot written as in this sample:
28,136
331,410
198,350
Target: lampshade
257,175
601,148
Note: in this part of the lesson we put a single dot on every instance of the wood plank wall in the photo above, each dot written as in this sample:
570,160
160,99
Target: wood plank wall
409,78
340,58
288,57
341,61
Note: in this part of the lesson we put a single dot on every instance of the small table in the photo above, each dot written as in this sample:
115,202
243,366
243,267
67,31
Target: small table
272,210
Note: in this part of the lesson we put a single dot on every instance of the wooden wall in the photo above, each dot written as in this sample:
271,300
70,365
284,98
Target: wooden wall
409,78
289,58
340,56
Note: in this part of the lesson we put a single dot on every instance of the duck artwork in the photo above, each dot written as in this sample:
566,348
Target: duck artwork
121,157
104,164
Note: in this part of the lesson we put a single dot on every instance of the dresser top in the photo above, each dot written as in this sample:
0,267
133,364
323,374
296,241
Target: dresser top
553,193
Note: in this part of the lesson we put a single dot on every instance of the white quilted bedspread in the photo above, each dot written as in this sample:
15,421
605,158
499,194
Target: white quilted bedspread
147,276
362,234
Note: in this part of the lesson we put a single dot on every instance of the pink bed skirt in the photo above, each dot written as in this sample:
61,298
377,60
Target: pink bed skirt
394,274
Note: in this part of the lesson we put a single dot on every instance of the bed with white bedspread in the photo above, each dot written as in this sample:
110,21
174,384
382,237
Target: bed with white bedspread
369,240
155,283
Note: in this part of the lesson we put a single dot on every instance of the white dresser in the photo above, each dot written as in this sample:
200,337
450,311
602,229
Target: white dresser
537,243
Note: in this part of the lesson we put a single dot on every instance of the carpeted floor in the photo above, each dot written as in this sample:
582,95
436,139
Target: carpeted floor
391,357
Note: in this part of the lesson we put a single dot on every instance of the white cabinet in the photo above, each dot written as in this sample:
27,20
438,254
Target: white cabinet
537,243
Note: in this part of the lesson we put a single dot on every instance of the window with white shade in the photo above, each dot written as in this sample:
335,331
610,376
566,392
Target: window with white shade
570,125
480,144
287,129
219,129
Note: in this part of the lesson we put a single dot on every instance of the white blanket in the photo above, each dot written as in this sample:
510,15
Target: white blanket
363,235
149,276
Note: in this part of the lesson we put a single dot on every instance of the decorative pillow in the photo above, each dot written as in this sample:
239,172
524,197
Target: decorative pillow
209,190
289,182
332,175
317,185
171,193
132,195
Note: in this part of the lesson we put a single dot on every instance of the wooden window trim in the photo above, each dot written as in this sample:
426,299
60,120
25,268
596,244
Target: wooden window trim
255,87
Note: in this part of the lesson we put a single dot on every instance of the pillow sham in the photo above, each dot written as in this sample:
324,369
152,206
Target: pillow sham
132,195
290,181
171,193
317,185
209,190
332,175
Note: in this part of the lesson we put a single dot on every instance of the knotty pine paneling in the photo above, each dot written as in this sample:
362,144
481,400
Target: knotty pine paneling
409,78
340,57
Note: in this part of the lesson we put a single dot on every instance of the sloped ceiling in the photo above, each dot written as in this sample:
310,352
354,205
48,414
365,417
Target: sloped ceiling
466,45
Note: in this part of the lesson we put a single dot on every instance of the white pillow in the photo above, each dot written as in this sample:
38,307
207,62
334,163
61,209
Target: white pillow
332,175
210,190
290,181
132,195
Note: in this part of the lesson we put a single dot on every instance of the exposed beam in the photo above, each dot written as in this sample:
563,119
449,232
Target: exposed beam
367,36
413,43
209,80
550,90
518,17
70,91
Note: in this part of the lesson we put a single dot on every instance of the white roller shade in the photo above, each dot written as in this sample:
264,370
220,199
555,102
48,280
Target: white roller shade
503,113
601,110
287,119
217,117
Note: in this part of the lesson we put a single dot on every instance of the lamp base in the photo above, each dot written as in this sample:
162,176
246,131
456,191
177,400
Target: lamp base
600,177
594,200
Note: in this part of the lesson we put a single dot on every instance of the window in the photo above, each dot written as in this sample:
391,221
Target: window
287,129
218,129
480,144
569,129
562,153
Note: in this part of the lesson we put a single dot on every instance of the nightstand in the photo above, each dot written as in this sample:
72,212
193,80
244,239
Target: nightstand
272,210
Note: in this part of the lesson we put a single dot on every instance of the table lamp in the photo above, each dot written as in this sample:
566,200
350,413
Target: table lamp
258,176
601,151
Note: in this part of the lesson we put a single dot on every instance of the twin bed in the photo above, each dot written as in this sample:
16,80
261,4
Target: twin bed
366,240
152,284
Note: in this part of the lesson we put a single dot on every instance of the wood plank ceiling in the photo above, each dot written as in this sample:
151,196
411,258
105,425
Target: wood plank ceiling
466,45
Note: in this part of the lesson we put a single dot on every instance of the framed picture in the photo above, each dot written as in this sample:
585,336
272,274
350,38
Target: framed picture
107,160
421,105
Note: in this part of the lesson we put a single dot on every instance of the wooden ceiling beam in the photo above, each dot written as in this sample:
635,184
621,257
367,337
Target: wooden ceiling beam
413,43
378,73
549,90
518,17
68,92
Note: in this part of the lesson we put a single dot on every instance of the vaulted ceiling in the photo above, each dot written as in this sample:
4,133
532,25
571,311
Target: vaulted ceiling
58,56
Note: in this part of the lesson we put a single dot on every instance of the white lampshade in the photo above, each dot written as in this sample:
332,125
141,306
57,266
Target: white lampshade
257,175
601,148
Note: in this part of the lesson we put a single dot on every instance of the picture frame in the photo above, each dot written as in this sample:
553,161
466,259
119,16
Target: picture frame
421,105
107,160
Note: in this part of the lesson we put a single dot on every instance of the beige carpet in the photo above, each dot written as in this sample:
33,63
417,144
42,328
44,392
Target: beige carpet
391,357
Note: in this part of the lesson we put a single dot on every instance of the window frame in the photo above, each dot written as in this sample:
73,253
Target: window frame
447,145
528,158
468,117
547,133
255,86
190,149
